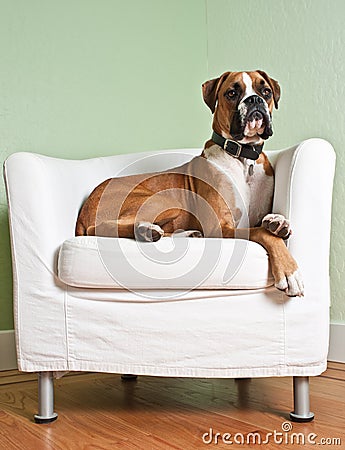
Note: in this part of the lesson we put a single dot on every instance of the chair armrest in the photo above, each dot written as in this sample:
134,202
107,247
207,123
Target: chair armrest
303,193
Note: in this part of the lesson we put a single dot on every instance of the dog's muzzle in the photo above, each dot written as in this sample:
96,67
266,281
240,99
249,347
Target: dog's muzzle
252,118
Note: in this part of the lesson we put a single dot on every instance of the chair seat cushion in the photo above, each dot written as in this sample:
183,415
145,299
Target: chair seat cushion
170,263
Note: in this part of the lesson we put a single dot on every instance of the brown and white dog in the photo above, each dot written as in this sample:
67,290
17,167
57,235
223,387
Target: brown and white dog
226,192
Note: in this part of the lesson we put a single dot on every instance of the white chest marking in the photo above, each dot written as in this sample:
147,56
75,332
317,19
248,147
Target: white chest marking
234,179
252,193
261,194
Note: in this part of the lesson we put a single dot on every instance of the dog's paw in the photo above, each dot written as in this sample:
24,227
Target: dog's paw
292,284
147,232
188,233
277,225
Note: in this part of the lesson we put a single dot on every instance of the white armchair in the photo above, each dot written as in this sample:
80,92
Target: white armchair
187,308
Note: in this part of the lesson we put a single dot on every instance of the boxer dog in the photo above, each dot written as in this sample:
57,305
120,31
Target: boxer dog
225,192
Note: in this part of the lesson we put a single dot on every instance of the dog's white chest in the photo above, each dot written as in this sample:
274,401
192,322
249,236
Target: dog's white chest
261,188
251,186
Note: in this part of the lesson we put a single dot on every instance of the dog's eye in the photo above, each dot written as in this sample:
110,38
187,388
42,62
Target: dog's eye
266,92
231,93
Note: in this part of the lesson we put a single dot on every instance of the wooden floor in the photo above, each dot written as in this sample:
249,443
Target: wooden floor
98,411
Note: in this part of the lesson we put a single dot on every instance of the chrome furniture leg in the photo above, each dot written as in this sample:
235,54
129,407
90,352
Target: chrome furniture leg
46,412
301,412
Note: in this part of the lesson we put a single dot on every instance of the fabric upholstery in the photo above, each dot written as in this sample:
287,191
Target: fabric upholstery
88,261
212,331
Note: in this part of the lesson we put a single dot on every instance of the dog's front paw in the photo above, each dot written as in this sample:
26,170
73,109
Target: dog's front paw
277,225
291,284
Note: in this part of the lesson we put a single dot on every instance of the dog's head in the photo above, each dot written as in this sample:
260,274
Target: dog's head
242,103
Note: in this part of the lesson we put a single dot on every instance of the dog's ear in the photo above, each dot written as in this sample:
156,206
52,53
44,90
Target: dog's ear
210,90
274,86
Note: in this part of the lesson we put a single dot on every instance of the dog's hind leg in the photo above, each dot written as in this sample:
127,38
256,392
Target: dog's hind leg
152,231
147,232
113,228
188,233
141,231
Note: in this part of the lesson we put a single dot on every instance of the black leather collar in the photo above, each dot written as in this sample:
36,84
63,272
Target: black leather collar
235,149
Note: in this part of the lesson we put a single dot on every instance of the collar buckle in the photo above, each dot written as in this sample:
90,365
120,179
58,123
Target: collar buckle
239,147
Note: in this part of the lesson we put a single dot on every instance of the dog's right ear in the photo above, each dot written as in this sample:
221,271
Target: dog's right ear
210,90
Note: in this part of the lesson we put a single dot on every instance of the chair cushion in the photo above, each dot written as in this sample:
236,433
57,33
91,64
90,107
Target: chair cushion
170,263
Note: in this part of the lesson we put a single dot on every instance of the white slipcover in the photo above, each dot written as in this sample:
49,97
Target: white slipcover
88,261
85,321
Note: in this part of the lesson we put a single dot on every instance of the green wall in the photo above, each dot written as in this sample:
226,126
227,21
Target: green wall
81,78
84,78
301,43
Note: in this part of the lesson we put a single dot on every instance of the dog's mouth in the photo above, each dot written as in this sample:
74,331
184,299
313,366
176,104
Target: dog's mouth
255,124
251,124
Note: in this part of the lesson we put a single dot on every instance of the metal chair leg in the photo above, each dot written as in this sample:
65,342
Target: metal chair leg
46,412
301,412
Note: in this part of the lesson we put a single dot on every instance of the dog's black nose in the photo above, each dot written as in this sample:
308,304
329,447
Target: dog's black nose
254,99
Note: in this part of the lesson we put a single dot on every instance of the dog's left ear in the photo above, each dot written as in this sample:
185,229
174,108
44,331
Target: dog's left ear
210,90
274,86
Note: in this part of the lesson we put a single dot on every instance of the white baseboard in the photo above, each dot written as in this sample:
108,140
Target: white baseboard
337,343
8,359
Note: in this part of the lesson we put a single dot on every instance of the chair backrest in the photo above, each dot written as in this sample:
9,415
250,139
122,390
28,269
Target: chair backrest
45,195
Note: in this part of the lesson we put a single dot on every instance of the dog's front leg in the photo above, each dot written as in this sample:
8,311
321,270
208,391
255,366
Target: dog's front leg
285,271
